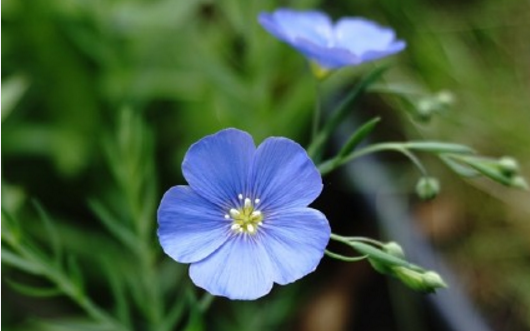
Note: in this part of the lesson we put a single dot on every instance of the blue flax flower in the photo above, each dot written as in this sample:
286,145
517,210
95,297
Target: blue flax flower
350,41
243,221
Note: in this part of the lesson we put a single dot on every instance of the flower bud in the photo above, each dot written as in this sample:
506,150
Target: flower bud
427,188
445,98
394,249
519,182
508,166
427,281
433,280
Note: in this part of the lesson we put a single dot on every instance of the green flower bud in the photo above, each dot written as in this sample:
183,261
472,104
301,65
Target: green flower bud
445,98
393,248
508,166
427,188
428,281
411,278
519,182
433,280
381,267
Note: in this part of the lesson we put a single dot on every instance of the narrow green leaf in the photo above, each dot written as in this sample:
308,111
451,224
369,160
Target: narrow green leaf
13,89
114,225
490,170
51,231
11,231
196,318
458,168
172,318
14,260
69,324
338,115
33,291
358,136
121,304
438,147
74,272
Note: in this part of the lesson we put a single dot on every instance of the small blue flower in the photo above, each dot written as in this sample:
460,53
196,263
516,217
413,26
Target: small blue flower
243,221
351,41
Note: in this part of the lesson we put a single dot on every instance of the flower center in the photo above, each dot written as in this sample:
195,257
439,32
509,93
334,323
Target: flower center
246,218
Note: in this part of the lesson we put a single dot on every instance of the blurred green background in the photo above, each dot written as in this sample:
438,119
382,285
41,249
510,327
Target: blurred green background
101,99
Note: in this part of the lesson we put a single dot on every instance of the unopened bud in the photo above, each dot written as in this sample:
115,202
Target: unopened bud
428,188
411,278
508,166
428,281
446,98
519,182
433,280
394,249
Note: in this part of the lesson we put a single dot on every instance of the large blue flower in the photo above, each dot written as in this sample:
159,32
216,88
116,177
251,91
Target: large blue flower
350,41
243,221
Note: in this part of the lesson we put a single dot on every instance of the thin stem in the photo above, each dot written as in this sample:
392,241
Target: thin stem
74,292
328,166
345,258
205,302
317,113
348,240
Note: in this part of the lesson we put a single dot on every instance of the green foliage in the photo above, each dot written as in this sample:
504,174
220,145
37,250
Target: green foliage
100,100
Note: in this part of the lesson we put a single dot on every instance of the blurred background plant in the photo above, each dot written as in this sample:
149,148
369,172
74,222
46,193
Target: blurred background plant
100,100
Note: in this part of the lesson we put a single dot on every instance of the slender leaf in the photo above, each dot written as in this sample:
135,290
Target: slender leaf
458,168
74,272
51,231
122,309
438,147
172,318
33,291
114,225
358,136
16,261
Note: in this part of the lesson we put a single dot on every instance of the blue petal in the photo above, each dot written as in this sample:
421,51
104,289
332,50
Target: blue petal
288,25
295,240
189,227
393,48
216,166
361,36
326,57
239,270
283,176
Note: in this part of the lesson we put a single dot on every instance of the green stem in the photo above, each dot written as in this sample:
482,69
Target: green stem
317,113
348,240
328,166
205,302
74,292
345,258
